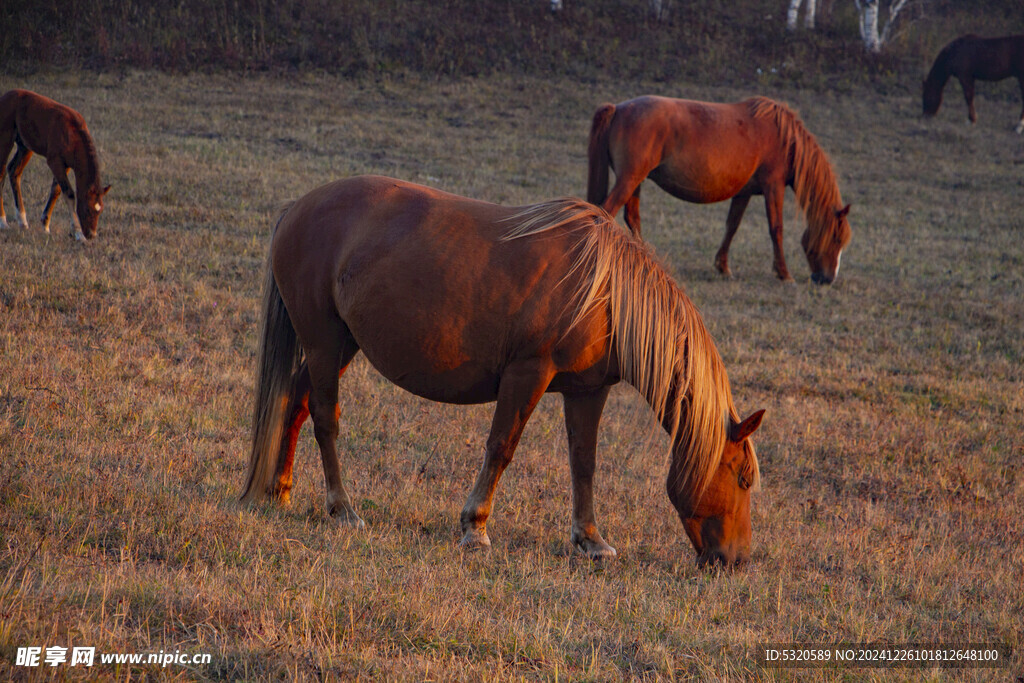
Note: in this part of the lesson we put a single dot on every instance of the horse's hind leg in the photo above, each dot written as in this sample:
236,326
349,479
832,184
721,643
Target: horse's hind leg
325,361
732,222
582,414
632,211
521,387
6,143
15,168
50,202
298,411
626,192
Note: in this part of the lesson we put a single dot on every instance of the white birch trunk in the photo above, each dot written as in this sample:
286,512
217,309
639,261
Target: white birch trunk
660,8
868,10
792,15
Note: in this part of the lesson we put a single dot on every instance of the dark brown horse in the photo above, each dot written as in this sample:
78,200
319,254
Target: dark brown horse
37,124
970,58
708,152
462,301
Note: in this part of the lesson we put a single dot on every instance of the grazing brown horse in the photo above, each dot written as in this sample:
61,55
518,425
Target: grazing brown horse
970,58
707,152
38,124
462,301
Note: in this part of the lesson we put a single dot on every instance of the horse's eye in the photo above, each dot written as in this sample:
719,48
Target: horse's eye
744,484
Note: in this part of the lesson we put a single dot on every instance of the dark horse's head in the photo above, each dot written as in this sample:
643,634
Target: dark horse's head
89,207
825,253
718,522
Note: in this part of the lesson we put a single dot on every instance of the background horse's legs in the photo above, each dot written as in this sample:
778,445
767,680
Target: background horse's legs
48,209
732,222
968,85
333,352
626,189
6,143
582,415
1020,125
521,387
15,168
60,174
773,195
633,211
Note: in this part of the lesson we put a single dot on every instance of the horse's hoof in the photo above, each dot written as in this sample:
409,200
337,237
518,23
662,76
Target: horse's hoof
348,518
594,549
475,539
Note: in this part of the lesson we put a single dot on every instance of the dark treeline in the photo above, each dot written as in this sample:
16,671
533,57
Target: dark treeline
701,40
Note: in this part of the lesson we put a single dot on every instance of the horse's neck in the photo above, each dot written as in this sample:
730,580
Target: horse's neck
84,162
939,74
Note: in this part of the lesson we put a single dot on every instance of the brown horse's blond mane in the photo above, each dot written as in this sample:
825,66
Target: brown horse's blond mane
814,181
662,346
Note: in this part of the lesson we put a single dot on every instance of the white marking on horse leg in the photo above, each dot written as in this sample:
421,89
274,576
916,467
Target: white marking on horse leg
23,220
839,261
1020,126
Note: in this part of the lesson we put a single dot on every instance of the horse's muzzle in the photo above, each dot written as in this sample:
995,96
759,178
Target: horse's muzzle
821,279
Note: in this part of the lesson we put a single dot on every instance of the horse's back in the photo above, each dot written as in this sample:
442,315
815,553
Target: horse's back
697,151
41,123
424,282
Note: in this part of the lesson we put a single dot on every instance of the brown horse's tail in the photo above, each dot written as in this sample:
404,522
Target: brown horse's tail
278,361
598,158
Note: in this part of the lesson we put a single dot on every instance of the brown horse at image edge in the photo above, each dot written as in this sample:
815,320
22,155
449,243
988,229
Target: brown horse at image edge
37,124
707,152
970,58
462,301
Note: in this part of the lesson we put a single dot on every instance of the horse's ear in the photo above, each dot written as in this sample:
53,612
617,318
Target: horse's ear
843,212
105,191
738,432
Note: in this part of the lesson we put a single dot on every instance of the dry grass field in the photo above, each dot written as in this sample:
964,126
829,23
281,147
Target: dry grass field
892,451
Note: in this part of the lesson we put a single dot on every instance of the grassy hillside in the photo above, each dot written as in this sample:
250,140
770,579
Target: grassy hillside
891,451
701,41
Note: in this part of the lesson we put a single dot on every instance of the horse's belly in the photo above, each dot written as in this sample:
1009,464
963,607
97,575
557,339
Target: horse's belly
701,184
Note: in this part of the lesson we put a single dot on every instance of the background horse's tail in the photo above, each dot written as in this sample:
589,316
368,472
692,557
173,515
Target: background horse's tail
278,361
597,154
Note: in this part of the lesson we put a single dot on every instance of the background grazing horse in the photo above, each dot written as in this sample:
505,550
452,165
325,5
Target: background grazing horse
971,58
462,301
708,152
38,124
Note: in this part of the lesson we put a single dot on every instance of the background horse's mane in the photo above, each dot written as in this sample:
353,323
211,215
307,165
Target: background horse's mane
92,168
661,343
814,182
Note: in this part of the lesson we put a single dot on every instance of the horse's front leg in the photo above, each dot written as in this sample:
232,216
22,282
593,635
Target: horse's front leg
60,175
968,86
48,209
521,387
582,414
1020,125
773,194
